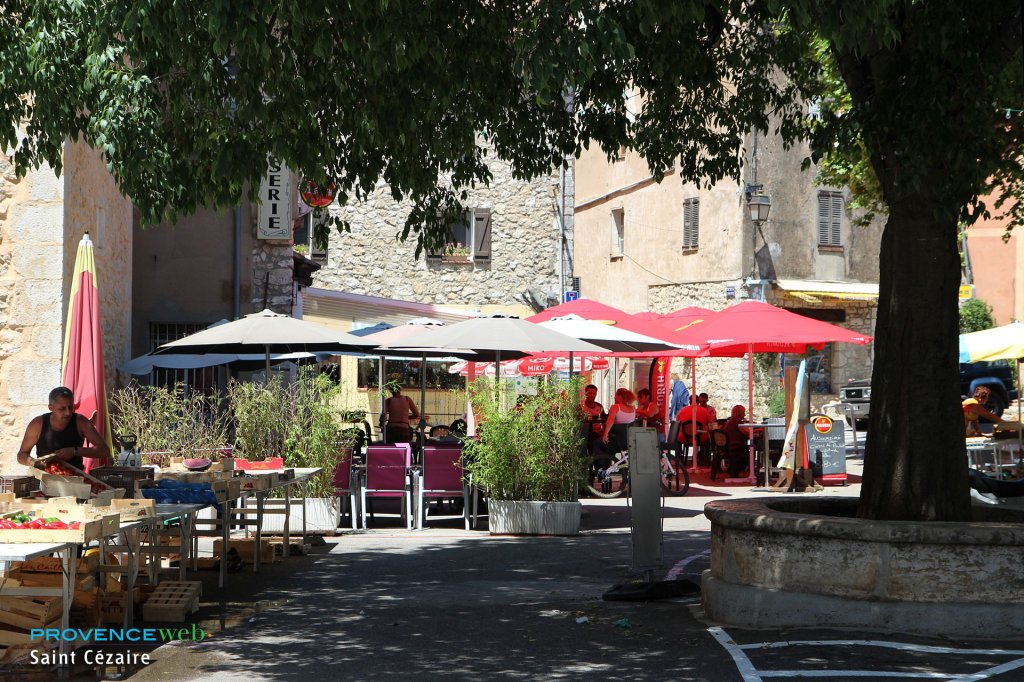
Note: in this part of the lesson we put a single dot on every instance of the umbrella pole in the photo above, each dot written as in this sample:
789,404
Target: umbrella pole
423,401
750,408
570,366
380,395
693,412
266,350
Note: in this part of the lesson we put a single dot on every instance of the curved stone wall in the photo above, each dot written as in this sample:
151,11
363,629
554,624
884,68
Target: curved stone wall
809,562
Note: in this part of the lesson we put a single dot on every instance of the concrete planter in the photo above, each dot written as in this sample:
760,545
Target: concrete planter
809,562
505,517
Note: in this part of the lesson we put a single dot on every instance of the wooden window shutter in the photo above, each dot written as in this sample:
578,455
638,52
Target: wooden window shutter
482,234
835,233
691,223
824,211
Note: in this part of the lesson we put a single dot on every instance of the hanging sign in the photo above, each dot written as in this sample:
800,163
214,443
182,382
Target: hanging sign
314,196
275,215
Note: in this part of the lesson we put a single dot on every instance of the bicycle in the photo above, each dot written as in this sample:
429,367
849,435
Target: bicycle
613,480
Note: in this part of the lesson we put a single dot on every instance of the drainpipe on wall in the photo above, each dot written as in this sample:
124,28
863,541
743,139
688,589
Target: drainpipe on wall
236,267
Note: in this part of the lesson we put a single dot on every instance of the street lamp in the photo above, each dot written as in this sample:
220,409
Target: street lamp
759,204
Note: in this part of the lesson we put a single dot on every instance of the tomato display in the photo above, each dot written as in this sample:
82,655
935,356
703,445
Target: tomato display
61,469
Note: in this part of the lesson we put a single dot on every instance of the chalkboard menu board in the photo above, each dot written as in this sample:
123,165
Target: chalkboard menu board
826,446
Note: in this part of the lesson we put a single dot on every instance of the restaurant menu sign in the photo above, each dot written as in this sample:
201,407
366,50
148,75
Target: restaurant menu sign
826,447
275,215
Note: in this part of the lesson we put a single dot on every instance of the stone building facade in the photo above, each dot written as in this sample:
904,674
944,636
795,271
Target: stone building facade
642,245
42,220
522,267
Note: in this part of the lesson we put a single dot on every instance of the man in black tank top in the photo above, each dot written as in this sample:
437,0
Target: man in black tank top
62,432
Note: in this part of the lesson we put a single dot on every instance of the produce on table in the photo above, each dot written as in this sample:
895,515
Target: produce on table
59,469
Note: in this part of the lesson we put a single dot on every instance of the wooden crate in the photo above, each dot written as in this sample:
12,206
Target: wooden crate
93,526
30,612
246,548
113,604
257,481
18,579
129,509
172,601
12,636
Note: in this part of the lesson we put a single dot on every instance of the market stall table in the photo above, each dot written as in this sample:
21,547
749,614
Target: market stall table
262,493
993,454
10,552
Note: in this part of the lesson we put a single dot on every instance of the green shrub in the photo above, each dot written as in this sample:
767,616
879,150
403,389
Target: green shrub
299,422
174,422
532,451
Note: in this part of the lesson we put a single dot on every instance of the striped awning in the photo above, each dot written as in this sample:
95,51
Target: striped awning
818,291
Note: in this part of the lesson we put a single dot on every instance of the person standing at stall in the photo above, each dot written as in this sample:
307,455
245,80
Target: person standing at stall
62,433
399,410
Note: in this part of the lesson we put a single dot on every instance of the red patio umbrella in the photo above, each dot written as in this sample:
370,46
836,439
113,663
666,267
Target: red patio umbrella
82,368
596,311
755,327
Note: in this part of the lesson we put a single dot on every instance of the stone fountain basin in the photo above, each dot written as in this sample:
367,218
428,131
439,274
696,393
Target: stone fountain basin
809,562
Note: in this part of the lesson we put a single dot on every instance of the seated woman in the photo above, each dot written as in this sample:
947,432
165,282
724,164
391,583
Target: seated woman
974,410
647,411
622,414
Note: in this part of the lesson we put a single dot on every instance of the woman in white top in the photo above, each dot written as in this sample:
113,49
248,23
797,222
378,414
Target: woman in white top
622,414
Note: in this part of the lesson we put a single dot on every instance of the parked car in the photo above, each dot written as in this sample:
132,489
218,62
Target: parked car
996,374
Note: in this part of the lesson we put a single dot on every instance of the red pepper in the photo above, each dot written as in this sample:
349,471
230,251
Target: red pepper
56,525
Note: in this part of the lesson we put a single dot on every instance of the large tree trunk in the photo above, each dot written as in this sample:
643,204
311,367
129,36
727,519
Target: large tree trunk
915,465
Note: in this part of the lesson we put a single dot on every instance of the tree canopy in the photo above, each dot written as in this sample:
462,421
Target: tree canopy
187,99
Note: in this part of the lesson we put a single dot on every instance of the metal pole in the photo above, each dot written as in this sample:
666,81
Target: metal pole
750,407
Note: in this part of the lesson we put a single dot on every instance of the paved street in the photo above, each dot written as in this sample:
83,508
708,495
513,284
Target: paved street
465,605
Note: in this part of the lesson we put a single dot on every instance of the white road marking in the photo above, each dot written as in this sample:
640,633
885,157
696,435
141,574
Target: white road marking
673,573
921,648
743,664
751,674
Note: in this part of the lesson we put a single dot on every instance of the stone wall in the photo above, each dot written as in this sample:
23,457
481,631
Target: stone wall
32,259
524,248
272,276
93,204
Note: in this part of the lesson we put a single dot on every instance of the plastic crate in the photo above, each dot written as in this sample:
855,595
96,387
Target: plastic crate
123,477
21,486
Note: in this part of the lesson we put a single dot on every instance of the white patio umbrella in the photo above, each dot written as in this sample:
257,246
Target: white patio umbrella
397,334
495,336
268,332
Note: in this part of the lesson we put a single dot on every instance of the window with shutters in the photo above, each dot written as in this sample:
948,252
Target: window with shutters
469,240
618,246
830,219
691,224
305,231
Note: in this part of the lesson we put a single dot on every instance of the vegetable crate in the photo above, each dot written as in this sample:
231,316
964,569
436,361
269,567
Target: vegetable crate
172,601
57,523
129,510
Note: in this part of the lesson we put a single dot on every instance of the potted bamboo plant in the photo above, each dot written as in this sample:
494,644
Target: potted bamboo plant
530,457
